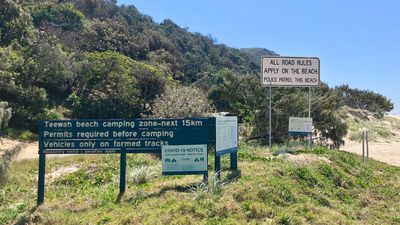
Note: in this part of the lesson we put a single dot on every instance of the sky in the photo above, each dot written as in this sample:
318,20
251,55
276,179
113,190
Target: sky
357,41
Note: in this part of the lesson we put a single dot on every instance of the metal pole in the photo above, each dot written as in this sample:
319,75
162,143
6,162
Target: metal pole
309,114
270,112
217,165
42,168
233,156
309,102
122,172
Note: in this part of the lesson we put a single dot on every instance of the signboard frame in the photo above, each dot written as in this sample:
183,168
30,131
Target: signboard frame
288,57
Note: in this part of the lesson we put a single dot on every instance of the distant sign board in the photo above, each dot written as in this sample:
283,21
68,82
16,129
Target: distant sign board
111,136
226,134
290,71
184,159
300,125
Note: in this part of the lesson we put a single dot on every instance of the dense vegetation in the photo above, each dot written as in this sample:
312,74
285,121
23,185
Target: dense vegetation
94,59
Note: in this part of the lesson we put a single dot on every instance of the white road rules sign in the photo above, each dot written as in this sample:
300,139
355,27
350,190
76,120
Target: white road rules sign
290,71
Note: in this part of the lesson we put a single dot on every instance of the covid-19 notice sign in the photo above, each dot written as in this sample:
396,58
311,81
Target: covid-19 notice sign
184,159
290,71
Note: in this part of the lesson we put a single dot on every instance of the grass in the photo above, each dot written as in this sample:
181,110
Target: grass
377,130
266,190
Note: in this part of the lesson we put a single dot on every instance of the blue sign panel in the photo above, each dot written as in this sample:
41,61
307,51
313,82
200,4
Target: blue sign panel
128,135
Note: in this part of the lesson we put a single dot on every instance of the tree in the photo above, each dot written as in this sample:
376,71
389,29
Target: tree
15,23
106,88
180,101
326,114
97,8
244,96
28,104
65,16
113,35
151,83
365,99
55,77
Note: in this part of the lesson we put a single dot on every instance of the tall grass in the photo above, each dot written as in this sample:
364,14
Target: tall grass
142,174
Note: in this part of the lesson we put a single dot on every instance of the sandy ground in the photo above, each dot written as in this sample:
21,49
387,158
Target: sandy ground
388,152
381,151
7,144
31,151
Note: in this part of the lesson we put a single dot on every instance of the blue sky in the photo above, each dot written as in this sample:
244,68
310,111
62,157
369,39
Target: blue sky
357,41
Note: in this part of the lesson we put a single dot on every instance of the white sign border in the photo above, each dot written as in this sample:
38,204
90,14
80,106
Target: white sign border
291,57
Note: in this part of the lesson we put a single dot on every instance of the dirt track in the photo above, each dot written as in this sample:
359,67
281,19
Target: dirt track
29,152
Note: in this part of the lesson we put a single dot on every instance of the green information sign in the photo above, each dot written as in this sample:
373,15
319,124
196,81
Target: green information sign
120,136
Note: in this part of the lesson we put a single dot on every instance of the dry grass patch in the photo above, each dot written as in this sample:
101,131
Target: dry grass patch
303,159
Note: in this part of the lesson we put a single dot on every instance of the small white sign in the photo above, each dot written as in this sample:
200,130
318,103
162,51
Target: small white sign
226,133
184,158
290,71
300,125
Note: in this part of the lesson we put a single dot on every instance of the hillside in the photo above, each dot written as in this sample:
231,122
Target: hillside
95,59
256,53
318,187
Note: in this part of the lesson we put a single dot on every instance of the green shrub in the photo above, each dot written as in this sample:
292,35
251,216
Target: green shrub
320,150
20,134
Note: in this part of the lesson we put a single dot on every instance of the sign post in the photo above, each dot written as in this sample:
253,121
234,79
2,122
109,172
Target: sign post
270,117
42,171
290,72
309,115
122,171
